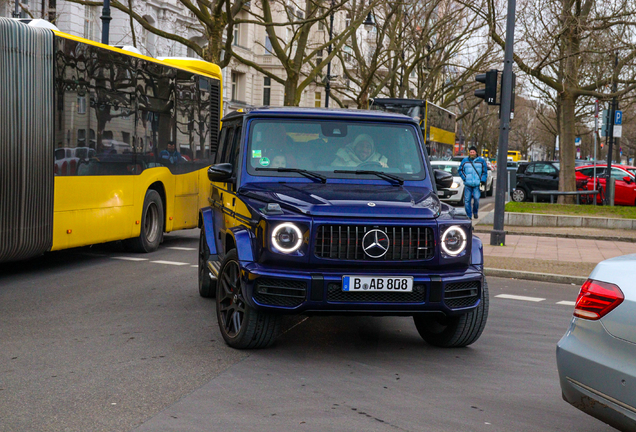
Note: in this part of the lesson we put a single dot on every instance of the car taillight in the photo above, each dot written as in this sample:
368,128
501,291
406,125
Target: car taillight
596,299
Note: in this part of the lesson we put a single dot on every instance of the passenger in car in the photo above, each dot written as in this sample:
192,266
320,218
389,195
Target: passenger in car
361,151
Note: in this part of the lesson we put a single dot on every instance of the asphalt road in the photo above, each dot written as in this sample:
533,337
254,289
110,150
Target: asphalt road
93,342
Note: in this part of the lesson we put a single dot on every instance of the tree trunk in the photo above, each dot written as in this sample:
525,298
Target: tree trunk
291,87
567,153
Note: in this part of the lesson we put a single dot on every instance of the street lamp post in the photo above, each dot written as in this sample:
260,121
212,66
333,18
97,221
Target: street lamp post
106,22
498,235
328,83
16,12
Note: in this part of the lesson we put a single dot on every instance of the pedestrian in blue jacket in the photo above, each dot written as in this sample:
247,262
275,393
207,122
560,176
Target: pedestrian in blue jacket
474,173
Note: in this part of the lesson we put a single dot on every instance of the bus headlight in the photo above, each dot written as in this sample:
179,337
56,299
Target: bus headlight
287,237
454,241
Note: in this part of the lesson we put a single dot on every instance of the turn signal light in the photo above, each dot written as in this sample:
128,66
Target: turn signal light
597,299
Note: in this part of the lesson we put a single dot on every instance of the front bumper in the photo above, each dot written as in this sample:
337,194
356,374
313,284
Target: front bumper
597,373
286,291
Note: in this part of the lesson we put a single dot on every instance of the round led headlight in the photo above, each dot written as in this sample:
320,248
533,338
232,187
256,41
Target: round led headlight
454,241
287,237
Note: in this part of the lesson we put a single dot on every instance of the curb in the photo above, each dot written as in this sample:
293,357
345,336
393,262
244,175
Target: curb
541,277
560,235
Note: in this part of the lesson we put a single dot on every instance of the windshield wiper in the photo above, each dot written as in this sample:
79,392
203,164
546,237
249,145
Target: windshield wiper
306,173
382,175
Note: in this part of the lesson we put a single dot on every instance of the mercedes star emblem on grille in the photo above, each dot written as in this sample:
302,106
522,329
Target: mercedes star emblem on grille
375,243
371,204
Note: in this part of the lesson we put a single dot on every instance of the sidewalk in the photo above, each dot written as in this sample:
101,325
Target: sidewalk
553,254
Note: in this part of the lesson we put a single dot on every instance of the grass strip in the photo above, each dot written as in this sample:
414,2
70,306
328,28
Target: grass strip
617,212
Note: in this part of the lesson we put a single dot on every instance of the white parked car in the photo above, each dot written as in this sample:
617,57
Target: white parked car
458,184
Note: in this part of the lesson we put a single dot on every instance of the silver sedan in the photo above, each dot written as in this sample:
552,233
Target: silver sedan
596,357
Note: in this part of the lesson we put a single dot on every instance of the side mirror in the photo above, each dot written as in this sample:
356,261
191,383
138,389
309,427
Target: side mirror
220,172
443,179
627,179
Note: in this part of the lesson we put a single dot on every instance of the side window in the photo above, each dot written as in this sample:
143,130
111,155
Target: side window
618,174
530,169
236,150
544,169
226,146
219,152
587,171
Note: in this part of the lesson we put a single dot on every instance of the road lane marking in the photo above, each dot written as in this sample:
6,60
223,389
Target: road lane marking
170,263
130,258
182,248
567,303
523,298
194,266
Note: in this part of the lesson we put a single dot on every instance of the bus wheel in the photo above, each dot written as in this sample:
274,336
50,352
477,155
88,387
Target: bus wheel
151,225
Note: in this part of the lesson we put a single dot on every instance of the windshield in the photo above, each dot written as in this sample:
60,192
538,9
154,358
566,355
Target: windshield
453,169
327,146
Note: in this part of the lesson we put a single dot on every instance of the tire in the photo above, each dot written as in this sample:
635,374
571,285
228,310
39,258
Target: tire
241,326
519,195
151,225
207,285
457,331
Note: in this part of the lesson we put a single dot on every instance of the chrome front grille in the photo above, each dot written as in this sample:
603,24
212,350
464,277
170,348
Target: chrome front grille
344,242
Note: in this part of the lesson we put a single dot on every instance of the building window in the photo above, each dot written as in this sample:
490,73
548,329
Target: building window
88,22
81,104
235,83
237,35
238,87
318,57
268,45
321,23
318,100
267,90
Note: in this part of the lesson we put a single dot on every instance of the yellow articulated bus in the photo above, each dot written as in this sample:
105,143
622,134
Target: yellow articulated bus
438,124
99,144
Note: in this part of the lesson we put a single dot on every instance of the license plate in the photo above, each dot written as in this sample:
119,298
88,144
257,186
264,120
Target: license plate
375,283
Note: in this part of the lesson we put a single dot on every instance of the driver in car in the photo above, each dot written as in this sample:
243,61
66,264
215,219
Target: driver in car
360,152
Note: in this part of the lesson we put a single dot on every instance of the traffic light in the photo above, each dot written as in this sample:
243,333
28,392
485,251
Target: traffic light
605,123
489,94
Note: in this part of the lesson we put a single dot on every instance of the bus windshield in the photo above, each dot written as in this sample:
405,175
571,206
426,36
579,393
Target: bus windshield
329,147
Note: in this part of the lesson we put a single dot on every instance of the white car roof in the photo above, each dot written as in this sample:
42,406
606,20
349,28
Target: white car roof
438,162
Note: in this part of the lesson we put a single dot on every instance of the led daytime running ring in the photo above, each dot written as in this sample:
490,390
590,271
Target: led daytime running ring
296,230
463,245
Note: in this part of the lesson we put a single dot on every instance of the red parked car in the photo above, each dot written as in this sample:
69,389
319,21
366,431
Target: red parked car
624,176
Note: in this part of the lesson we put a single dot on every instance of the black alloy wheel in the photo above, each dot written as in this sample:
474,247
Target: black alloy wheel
455,331
241,325
230,300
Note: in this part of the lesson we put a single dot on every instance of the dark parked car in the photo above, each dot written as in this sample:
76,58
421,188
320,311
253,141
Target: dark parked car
535,176
332,211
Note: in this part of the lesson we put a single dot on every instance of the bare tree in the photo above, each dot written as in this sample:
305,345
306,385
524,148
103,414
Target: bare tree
568,47
216,19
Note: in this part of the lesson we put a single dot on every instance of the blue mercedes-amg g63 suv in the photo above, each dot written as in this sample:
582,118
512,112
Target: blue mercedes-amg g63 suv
335,211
